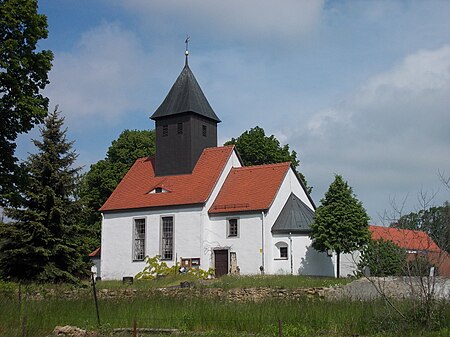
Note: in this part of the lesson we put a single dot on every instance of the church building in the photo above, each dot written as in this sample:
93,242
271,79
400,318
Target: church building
195,204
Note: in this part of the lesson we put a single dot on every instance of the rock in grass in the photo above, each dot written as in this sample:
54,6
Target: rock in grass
71,331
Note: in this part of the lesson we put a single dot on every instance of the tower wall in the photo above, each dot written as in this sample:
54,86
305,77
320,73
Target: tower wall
180,140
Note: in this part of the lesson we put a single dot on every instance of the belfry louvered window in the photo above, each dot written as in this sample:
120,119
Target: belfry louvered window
139,240
167,238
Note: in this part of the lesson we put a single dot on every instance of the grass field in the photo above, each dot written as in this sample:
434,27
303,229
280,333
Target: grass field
303,317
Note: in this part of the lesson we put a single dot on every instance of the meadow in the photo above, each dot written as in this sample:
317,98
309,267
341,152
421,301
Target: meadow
209,317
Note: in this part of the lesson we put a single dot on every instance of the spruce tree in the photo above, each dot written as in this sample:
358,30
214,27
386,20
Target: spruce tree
341,223
44,242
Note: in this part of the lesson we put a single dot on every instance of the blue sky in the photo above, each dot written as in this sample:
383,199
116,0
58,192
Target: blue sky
358,88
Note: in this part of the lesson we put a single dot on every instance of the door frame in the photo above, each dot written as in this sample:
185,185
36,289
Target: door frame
228,260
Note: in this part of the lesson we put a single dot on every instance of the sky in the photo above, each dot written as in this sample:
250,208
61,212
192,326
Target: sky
356,88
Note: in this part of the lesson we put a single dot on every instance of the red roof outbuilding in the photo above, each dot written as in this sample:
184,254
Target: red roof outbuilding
405,238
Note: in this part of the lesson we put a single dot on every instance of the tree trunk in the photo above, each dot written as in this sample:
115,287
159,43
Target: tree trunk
338,267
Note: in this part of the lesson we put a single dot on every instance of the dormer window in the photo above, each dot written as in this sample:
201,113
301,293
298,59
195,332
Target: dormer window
158,190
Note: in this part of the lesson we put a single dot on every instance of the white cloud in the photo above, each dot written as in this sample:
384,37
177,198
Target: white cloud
99,78
255,19
389,137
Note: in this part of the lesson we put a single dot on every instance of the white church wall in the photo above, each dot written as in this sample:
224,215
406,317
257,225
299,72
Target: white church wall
348,263
117,239
246,245
302,259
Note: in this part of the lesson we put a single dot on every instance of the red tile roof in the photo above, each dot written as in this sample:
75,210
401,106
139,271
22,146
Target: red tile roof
195,188
405,238
251,188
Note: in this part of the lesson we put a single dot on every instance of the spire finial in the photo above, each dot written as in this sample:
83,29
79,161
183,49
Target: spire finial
186,52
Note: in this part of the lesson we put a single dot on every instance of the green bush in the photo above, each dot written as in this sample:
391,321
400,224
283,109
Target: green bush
383,258
155,267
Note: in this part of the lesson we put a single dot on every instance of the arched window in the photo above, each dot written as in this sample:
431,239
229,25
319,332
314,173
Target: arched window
283,251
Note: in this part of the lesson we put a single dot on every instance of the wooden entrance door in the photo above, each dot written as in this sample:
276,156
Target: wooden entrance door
221,262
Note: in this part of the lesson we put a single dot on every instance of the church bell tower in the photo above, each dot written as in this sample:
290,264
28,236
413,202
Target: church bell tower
185,125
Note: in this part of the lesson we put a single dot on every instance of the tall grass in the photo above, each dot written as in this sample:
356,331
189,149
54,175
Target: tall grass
304,317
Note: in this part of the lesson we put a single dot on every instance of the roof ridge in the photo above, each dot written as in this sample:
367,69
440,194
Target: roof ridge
217,148
261,166
400,229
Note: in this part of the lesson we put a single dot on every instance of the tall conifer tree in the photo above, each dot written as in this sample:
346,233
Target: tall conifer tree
341,223
44,242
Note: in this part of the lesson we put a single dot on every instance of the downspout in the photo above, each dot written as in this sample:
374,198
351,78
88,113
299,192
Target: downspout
101,241
290,247
262,244
201,238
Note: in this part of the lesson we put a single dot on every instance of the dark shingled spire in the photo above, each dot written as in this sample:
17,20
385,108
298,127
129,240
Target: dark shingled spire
295,217
185,96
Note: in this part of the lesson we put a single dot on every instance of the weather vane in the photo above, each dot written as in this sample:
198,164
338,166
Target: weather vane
186,52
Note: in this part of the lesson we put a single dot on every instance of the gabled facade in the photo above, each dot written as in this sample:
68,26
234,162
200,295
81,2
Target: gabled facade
194,204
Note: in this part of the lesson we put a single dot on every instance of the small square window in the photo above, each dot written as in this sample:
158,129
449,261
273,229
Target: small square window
204,130
180,128
165,131
283,252
233,228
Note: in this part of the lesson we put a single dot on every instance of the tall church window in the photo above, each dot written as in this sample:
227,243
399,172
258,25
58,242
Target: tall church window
165,130
204,130
167,238
139,240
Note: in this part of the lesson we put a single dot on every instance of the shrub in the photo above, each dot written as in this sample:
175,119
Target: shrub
155,267
383,258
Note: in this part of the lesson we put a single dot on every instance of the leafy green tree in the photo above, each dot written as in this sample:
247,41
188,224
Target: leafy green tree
435,221
383,258
45,242
341,223
104,176
23,73
255,148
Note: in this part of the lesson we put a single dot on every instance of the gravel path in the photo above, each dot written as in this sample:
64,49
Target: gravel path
394,287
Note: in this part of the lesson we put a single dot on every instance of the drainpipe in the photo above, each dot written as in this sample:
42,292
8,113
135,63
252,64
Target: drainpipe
262,244
101,243
291,249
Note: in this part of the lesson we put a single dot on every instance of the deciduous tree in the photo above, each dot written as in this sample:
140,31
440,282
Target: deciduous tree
44,242
341,222
104,176
23,74
255,148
